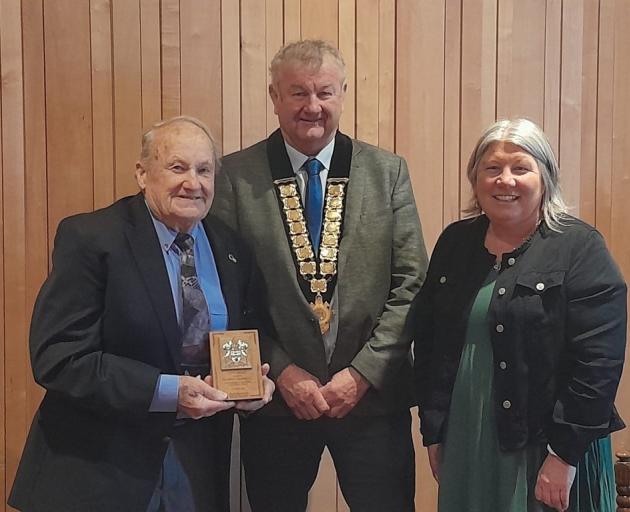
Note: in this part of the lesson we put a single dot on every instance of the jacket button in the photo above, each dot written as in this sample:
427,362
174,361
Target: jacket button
511,261
503,365
443,279
506,404
499,327
501,291
540,287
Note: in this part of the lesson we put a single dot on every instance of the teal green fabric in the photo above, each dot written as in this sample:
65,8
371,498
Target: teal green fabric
476,475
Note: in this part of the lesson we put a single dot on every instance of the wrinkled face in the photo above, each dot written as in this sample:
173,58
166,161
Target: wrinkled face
178,177
509,186
308,103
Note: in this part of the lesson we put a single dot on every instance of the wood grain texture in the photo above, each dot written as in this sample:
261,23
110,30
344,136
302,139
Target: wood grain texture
81,79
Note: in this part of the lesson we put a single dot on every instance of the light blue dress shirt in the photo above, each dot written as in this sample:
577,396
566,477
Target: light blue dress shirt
165,396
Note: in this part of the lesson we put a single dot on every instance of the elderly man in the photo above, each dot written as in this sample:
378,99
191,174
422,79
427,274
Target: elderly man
339,243
119,341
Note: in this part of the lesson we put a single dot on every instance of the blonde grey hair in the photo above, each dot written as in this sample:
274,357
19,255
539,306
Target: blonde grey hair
528,136
148,138
308,52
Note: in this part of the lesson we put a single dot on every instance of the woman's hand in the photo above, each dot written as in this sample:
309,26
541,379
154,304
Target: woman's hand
435,460
554,482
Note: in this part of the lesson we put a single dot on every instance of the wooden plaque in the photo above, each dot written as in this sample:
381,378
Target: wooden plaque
235,357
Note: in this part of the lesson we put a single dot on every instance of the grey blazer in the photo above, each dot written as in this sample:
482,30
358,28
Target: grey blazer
382,263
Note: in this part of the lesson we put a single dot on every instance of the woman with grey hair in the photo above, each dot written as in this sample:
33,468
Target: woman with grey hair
520,332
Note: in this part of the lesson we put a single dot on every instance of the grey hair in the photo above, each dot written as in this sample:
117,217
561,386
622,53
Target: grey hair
148,138
528,136
310,53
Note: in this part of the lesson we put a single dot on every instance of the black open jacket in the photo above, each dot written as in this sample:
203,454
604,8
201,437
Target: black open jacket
557,320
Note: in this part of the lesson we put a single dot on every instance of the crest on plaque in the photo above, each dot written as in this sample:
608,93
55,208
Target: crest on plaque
234,354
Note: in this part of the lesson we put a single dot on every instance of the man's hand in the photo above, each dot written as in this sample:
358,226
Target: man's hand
554,482
301,392
268,388
344,391
196,399
435,460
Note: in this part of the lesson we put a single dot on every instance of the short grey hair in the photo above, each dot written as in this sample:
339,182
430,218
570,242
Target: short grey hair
308,52
148,138
528,136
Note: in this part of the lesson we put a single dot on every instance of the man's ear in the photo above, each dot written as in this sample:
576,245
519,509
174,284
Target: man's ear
141,175
273,94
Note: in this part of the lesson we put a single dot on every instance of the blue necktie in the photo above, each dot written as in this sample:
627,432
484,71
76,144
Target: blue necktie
314,200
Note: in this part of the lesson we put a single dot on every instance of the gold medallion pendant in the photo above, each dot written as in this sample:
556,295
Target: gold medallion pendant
323,312
316,269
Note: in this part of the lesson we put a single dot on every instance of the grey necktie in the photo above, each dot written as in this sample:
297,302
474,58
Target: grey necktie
195,319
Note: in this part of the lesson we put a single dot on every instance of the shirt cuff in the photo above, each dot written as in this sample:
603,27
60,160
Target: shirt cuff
165,394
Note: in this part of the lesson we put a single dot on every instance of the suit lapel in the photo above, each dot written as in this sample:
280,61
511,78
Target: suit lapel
227,268
146,250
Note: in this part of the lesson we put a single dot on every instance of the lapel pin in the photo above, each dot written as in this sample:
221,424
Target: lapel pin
231,257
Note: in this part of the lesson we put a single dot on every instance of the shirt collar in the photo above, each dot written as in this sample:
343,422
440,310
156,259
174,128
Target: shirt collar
166,235
299,159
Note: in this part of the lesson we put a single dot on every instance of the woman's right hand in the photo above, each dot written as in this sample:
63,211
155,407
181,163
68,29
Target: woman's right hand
435,460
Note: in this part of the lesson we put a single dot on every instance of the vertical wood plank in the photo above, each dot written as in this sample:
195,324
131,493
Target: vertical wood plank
367,71
274,41
127,94
253,73
201,62
605,89
453,170
150,57
553,45
386,71
323,495
521,67
420,106
231,75
320,20
3,411
292,21
347,42
15,377
478,86
571,101
102,102
171,66
34,170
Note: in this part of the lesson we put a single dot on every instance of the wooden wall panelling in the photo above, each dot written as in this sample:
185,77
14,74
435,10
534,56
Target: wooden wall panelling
36,202
521,67
605,87
620,242
588,108
171,55
274,41
200,22
68,109
347,43
292,20
323,494
3,413
553,45
367,71
386,73
231,75
478,78
570,102
127,84
453,167
420,106
151,63
253,73
102,102
319,19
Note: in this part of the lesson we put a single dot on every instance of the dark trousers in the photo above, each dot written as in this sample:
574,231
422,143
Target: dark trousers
373,456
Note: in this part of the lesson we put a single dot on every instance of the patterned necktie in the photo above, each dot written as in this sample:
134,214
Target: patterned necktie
314,201
195,319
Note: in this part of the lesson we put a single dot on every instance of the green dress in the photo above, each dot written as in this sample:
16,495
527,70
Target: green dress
476,476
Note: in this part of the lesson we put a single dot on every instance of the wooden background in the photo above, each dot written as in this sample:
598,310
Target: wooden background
80,79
